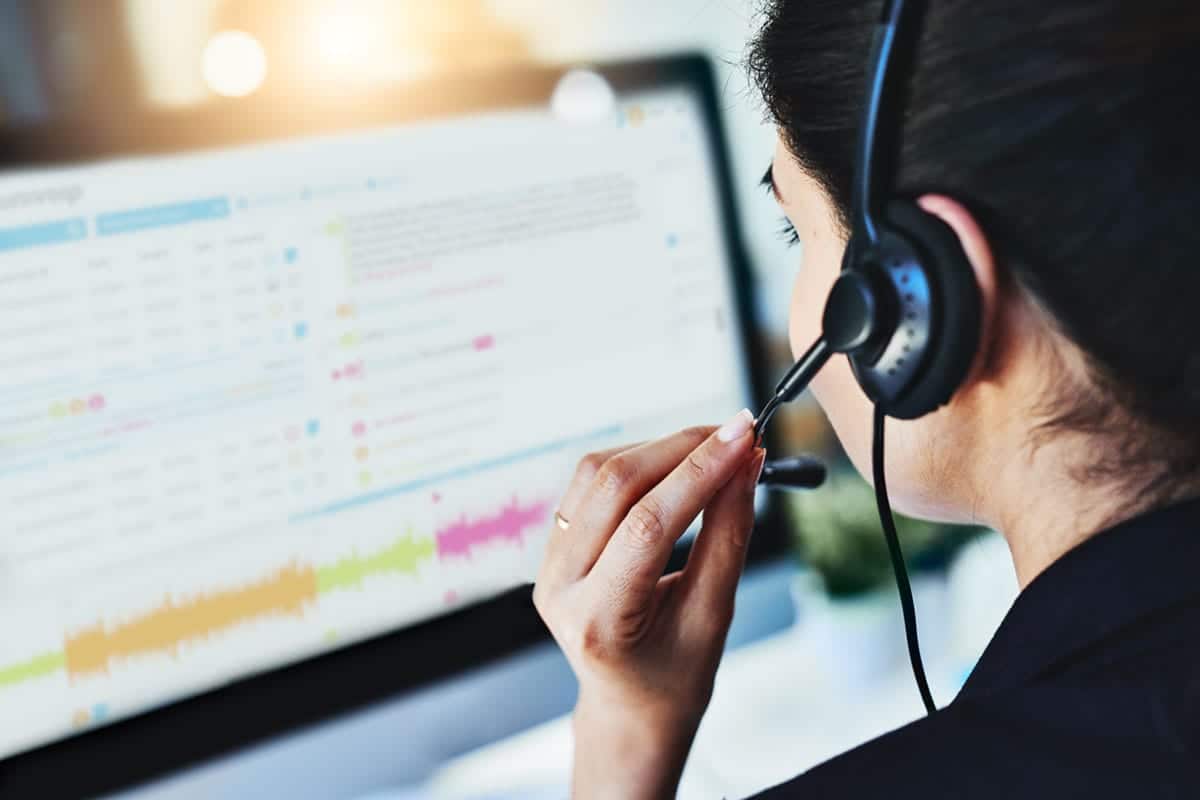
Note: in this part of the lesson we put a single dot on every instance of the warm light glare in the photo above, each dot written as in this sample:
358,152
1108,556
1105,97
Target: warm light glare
344,39
167,40
366,41
235,64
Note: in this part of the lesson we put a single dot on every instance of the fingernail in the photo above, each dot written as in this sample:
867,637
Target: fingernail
737,427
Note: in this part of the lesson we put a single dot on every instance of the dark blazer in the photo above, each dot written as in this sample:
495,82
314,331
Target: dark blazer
1089,689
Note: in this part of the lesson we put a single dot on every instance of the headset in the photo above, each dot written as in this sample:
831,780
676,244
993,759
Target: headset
905,309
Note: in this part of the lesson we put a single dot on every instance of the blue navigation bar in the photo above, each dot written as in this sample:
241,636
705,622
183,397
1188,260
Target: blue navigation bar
141,219
66,230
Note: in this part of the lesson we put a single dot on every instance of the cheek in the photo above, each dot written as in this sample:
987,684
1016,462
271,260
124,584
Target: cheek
819,268
913,477
835,388
848,410
808,301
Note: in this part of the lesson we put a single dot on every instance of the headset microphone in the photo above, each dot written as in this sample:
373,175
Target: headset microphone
905,309
797,472
861,314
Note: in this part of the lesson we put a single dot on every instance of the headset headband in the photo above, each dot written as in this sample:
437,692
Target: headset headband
882,120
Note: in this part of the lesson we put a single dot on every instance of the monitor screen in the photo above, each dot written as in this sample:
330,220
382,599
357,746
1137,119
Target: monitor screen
262,402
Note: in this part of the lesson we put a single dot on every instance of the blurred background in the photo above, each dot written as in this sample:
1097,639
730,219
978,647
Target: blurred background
826,668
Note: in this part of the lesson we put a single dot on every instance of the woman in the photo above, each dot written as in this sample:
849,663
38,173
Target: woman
1060,144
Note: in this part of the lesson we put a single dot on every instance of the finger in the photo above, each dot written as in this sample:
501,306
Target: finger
558,541
633,560
620,483
585,474
715,564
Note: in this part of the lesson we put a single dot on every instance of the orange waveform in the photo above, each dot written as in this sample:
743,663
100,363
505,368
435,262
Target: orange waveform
283,593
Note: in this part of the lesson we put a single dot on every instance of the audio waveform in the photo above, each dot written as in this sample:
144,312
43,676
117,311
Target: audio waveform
286,592
36,667
509,524
404,556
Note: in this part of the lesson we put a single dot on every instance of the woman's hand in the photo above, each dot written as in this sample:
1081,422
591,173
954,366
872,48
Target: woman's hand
645,646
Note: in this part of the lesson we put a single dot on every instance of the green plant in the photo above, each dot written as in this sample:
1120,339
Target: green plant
837,534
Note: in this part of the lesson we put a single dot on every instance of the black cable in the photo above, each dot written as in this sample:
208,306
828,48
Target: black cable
897,556
794,382
764,416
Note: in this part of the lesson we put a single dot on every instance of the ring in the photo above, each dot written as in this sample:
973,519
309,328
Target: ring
561,521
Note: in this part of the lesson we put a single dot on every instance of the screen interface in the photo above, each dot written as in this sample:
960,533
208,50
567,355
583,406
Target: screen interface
261,402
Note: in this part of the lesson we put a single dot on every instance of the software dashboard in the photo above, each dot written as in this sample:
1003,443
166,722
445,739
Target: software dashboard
258,403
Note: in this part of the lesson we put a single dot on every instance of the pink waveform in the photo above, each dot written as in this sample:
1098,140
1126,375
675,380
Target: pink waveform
485,342
509,524
348,372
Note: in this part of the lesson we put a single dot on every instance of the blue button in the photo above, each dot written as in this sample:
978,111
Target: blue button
67,230
141,219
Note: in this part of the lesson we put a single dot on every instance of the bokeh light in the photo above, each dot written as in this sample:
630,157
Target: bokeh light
583,96
234,64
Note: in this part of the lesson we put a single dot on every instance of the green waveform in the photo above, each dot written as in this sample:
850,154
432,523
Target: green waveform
402,556
36,667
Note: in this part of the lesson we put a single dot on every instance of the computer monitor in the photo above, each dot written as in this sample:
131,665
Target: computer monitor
290,391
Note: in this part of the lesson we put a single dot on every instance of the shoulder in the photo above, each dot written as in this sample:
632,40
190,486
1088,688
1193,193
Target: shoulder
1090,687
1030,742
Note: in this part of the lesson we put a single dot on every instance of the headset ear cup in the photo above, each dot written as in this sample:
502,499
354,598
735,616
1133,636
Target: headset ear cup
954,338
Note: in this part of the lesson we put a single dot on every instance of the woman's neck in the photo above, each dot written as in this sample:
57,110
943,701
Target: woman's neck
1043,510
1026,482
1042,534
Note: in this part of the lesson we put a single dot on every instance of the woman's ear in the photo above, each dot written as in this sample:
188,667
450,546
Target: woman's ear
979,254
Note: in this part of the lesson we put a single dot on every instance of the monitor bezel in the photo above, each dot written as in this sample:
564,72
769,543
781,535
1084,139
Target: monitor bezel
266,705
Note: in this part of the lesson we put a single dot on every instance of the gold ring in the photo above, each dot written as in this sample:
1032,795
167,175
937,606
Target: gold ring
561,521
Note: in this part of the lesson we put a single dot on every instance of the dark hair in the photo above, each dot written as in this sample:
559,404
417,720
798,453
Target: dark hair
1071,129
